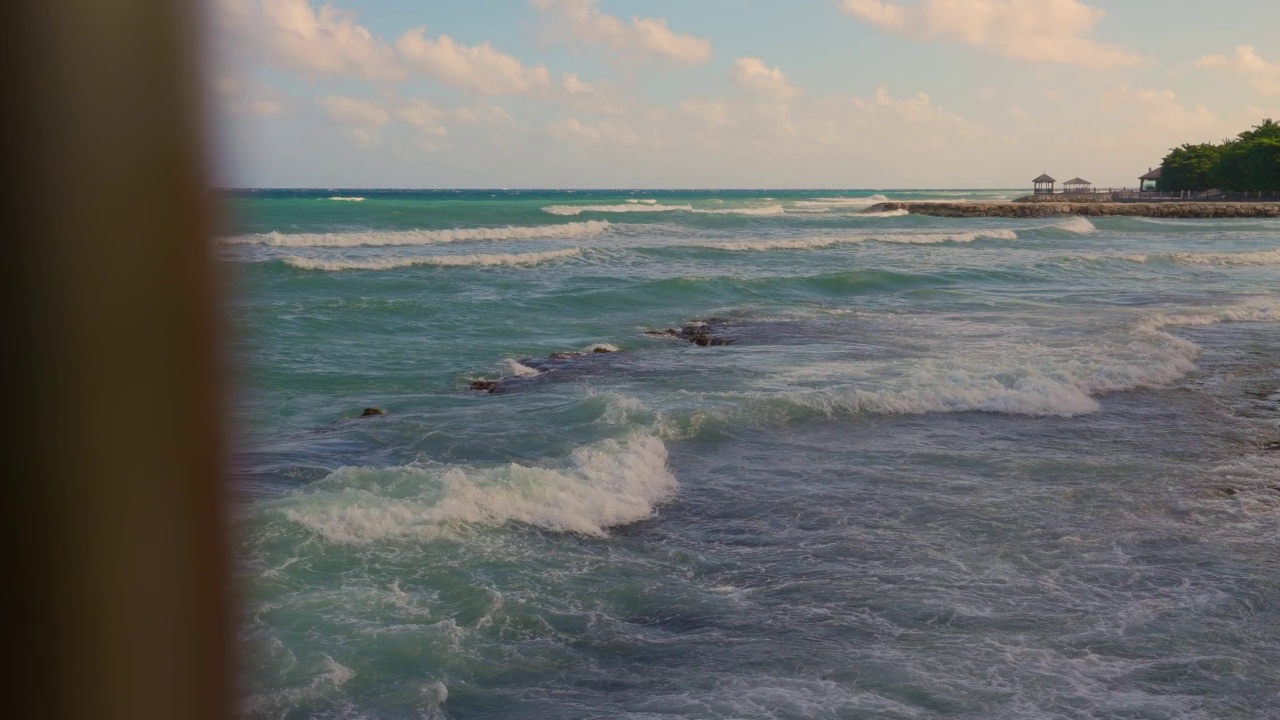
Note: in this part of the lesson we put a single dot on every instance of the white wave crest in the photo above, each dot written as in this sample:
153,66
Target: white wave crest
1260,257
934,238
764,210
347,199
515,368
1008,376
1075,224
1253,310
884,214
603,485
828,241
628,207
600,347
389,263
828,204
422,237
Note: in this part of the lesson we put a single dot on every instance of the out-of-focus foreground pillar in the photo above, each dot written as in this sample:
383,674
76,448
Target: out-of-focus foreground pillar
115,568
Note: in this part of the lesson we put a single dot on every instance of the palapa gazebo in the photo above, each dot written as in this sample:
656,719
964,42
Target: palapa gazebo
1077,185
1043,185
1151,177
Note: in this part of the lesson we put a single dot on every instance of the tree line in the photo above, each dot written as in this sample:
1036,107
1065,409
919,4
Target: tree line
1249,161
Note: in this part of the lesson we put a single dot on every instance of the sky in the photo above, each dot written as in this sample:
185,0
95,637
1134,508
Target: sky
727,93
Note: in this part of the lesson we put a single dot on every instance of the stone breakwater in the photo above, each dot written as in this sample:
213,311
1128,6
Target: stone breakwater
1091,209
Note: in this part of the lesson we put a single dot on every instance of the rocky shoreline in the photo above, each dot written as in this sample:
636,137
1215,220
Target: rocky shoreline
1091,209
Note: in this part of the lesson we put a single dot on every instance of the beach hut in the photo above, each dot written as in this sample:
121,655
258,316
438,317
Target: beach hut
1077,185
1148,181
1043,185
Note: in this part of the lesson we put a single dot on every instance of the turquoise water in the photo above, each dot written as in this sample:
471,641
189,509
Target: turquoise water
930,468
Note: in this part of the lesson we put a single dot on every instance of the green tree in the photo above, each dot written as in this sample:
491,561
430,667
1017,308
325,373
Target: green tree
1250,161
1190,167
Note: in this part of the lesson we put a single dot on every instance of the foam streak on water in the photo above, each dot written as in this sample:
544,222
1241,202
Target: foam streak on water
751,454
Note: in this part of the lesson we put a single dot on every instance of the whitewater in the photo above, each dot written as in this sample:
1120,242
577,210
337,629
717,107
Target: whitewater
750,454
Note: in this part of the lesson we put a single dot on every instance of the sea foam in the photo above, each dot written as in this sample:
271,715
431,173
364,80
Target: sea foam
828,241
1260,257
389,263
1008,377
422,237
638,206
603,485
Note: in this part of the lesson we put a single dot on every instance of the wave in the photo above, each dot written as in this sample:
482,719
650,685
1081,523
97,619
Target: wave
1075,224
1254,310
765,210
1018,379
820,242
422,237
1260,257
628,207
603,485
389,263
347,199
819,205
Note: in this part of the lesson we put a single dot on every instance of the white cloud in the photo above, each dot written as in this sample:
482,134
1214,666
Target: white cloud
477,69
1038,31
584,97
582,21
423,116
752,74
491,116
314,43
1262,75
245,96
361,119
1158,111
576,132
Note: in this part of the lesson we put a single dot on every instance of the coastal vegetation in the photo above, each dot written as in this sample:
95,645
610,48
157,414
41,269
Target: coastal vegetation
1249,161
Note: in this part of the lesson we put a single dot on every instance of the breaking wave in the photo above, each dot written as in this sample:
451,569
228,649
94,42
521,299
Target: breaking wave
347,199
820,242
389,263
822,205
603,485
422,237
1009,378
638,206
1261,257
764,210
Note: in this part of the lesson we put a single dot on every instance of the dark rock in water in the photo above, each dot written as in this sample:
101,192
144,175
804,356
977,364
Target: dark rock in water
1272,445
1227,491
602,349
486,385
558,356
372,412
703,333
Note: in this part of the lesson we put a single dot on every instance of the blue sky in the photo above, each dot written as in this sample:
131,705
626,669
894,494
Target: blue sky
728,93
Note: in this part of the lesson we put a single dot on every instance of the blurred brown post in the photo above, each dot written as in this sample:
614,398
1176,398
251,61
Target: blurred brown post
116,575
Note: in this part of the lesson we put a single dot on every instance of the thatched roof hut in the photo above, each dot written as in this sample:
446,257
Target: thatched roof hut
1149,180
1077,184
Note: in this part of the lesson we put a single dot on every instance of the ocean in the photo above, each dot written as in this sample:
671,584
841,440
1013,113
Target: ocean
750,454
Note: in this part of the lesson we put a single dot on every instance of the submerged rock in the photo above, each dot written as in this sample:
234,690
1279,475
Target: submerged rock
372,412
702,333
557,362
